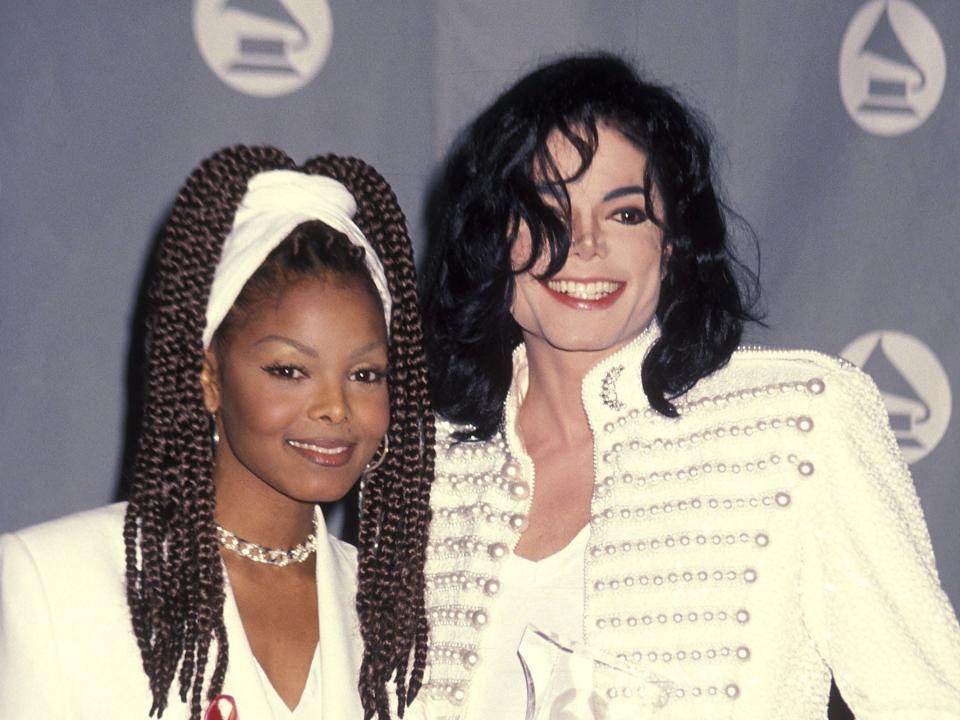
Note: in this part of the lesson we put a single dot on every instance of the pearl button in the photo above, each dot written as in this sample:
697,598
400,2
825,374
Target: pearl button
519,490
497,551
816,386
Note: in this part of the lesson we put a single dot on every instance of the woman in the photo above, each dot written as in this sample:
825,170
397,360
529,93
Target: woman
283,361
713,530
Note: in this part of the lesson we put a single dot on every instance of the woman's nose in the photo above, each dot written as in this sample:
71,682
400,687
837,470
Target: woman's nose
330,404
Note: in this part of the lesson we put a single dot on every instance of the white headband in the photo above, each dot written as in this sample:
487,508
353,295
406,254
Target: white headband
276,202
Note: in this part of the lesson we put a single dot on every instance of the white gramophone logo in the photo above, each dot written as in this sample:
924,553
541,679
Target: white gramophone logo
263,47
892,67
914,386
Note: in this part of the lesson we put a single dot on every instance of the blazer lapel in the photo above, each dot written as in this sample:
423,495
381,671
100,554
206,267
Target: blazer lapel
243,681
340,644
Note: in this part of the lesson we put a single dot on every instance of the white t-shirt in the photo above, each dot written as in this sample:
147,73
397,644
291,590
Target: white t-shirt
548,594
309,705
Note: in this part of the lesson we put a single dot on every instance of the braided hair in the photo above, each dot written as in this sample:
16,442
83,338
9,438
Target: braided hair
174,577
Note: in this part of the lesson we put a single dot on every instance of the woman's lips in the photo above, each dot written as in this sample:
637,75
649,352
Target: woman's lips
329,453
584,294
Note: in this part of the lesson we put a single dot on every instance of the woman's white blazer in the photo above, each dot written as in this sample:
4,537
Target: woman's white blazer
67,648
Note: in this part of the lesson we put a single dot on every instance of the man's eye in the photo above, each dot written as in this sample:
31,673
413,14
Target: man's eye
286,372
630,216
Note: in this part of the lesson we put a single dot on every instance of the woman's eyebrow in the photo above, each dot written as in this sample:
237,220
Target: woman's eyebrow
305,349
625,190
369,347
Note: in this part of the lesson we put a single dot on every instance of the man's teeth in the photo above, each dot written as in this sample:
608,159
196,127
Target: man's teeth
583,290
317,448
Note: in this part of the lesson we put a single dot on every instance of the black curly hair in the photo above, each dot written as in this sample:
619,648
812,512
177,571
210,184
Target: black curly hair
175,583
493,179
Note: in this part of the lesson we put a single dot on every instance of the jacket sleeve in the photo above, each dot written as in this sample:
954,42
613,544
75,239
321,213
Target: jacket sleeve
872,599
31,677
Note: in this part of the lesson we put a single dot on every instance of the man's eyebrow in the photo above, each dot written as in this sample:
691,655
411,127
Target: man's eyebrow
625,190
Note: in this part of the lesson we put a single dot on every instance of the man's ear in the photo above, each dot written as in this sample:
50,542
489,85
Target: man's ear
210,381
665,254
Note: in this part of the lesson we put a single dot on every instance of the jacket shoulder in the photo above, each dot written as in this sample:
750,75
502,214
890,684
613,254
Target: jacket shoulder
74,565
448,435
751,367
80,535
785,362
446,429
760,375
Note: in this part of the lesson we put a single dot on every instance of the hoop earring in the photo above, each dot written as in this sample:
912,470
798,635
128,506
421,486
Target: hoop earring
377,460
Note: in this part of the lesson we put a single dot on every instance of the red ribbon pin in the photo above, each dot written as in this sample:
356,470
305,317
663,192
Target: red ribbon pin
213,710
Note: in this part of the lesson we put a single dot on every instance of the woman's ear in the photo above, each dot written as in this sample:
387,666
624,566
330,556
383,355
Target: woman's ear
210,381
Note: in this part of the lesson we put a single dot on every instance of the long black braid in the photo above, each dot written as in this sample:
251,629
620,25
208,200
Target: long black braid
175,583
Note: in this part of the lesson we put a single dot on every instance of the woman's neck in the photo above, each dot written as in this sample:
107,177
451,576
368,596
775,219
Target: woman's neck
250,509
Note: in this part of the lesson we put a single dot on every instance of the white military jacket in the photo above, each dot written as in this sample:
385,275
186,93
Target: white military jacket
739,554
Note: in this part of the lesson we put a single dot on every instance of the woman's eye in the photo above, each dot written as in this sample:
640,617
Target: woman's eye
286,372
630,216
369,375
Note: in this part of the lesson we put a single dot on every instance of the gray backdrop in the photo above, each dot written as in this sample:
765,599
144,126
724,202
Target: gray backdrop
837,121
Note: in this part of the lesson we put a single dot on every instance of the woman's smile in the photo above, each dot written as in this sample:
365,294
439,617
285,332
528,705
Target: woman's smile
331,453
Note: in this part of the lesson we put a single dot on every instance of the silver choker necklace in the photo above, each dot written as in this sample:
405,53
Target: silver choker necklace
265,555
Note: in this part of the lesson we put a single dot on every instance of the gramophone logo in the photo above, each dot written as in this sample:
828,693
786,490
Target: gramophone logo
914,386
263,47
892,67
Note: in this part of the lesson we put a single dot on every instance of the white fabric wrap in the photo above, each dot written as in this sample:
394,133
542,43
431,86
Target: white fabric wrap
276,202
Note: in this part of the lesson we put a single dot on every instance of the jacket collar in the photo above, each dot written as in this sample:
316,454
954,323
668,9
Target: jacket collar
340,644
608,388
